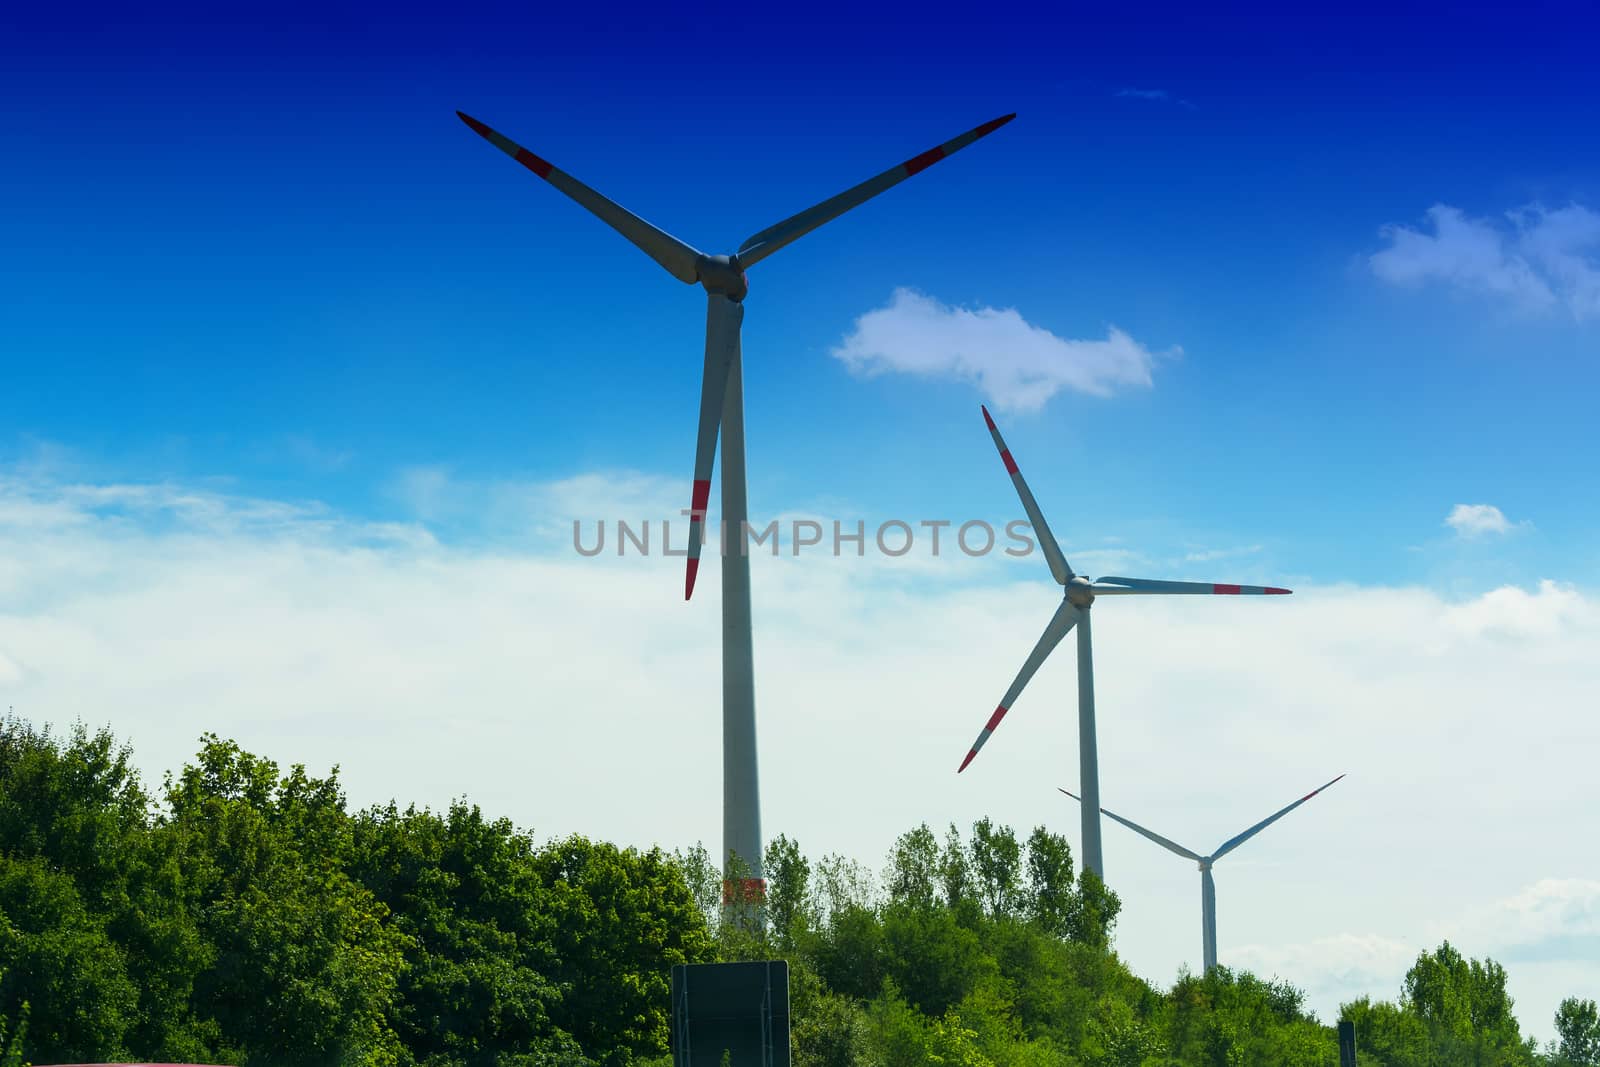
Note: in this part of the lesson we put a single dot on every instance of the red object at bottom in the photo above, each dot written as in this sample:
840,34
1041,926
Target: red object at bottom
744,891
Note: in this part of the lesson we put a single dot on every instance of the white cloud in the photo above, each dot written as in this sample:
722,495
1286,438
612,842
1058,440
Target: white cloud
1472,520
525,676
1536,259
1512,611
1553,918
1336,969
1017,365
1545,934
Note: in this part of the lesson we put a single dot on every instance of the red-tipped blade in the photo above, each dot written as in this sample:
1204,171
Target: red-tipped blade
723,318
1151,587
1065,618
679,259
769,240
1047,540
1239,839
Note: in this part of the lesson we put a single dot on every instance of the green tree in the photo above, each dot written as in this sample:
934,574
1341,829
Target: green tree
790,908
912,876
620,919
11,1037
704,879
75,803
1051,898
1389,1034
828,1029
1577,1034
997,865
1095,914
467,894
57,957
307,965
955,872
932,958
1465,1006
843,885
1233,1019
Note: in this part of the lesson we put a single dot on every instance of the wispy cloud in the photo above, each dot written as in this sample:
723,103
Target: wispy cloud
312,635
1552,919
318,457
1534,259
1017,365
1207,555
1476,520
1159,95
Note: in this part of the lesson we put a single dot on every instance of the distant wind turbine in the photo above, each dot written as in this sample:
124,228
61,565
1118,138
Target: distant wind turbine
1208,889
1080,594
722,408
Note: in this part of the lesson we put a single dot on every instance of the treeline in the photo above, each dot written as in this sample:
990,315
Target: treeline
242,914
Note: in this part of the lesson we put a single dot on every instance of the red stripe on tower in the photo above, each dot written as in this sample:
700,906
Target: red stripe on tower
1225,590
917,164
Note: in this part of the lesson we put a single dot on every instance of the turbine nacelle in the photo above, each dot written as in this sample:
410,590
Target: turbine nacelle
722,275
1079,592
1208,897
723,278
722,401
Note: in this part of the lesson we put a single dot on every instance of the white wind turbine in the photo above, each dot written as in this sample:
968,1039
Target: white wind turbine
1208,889
722,408
1080,594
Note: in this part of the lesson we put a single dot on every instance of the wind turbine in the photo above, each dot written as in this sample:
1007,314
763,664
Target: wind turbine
1208,889
722,407
1080,594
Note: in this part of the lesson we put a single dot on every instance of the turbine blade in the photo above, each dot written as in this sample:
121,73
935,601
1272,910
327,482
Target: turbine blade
1151,587
678,258
723,317
1060,624
769,240
1170,846
1047,540
1234,842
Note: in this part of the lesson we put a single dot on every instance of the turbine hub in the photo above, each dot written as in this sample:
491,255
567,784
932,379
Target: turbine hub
723,275
1079,593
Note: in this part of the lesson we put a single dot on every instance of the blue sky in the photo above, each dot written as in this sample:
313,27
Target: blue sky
266,250
291,361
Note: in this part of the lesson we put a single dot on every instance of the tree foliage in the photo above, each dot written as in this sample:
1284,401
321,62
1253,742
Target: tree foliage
1577,1041
243,914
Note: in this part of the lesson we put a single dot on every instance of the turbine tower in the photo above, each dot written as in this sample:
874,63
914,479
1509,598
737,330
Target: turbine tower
722,408
1080,595
1208,889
